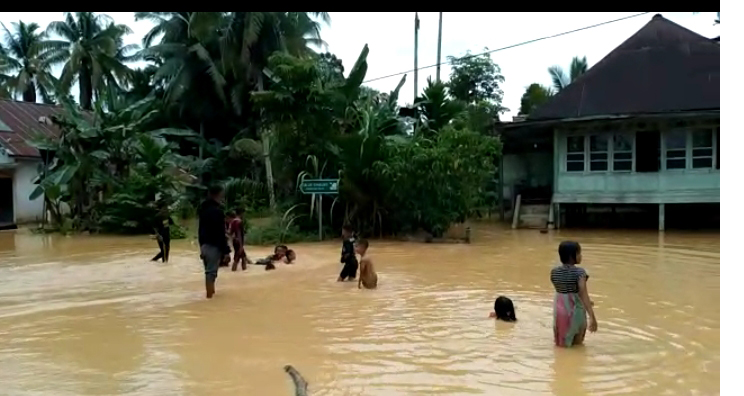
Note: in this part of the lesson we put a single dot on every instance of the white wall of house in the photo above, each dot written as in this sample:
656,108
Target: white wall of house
26,210
606,173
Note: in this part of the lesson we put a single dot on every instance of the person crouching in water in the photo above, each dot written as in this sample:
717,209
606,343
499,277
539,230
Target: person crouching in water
572,302
280,253
237,234
162,224
367,274
503,309
348,258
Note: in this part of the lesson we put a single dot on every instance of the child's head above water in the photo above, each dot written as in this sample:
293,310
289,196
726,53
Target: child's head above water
347,231
503,309
280,251
289,256
569,252
239,211
230,215
361,246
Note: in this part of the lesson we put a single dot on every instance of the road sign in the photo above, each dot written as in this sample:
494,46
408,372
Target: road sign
319,186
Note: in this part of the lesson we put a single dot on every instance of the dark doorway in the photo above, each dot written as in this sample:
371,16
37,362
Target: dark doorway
700,216
648,151
6,201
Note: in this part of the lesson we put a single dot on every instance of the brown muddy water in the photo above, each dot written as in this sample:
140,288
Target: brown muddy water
92,316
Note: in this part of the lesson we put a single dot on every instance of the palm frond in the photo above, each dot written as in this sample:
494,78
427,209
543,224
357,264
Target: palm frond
559,78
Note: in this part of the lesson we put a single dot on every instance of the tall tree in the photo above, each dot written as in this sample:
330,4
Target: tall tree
93,52
249,40
25,63
534,96
561,80
170,27
475,78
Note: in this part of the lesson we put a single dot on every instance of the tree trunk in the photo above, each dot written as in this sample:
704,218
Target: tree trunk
265,140
29,94
86,86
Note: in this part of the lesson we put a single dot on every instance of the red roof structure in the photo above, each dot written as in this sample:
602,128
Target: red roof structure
20,122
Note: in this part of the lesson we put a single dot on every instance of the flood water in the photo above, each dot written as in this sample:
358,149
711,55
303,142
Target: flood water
92,316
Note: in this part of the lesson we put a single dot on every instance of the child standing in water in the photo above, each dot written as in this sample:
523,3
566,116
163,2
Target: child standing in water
237,233
572,302
348,258
162,224
367,274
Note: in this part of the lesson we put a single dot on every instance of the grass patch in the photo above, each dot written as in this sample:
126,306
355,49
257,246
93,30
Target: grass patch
271,231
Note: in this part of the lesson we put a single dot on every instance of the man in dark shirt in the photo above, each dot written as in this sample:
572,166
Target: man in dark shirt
212,238
162,224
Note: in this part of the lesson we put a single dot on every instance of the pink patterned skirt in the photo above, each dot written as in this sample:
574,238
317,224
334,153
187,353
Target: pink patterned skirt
569,318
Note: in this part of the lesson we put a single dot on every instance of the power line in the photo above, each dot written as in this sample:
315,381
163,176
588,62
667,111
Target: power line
512,46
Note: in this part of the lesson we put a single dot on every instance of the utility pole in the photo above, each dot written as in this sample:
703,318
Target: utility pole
439,47
415,58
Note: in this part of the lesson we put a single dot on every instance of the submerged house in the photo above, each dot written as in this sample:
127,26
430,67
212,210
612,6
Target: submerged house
20,161
634,142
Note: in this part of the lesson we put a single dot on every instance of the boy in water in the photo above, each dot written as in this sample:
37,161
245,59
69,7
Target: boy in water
280,252
367,274
162,224
237,234
348,258
229,217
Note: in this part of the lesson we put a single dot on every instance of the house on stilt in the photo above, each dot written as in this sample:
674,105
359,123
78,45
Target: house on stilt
634,142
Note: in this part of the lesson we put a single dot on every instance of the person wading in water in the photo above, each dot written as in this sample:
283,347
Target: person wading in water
212,239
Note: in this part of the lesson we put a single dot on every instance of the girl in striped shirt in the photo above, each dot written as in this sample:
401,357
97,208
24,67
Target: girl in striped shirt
572,302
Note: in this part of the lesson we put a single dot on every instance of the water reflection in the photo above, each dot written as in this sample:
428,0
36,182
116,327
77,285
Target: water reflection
92,316
568,370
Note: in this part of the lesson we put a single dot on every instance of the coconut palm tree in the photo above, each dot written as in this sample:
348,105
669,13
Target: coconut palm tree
249,39
171,27
25,63
561,80
301,31
94,54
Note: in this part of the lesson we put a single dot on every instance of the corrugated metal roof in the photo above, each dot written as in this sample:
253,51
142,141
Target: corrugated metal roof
663,67
19,124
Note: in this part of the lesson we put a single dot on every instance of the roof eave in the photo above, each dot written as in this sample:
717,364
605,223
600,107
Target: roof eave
607,117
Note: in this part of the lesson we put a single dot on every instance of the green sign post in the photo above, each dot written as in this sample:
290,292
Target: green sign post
316,188
319,186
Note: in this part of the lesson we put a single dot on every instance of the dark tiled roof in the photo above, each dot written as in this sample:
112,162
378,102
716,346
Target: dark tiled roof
19,124
662,68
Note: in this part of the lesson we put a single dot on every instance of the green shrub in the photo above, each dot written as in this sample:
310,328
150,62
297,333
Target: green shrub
274,232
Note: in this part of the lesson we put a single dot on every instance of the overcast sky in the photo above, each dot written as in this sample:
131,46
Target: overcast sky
391,41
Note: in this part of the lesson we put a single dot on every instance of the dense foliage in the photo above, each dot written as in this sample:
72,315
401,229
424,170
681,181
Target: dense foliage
243,98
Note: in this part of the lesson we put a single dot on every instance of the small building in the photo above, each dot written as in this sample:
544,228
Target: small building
635,141
20,161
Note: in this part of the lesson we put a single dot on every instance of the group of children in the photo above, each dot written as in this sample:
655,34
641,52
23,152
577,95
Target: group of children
350,247
235,232
571,303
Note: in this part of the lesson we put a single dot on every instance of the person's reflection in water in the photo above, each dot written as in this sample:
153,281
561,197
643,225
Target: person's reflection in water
568,371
